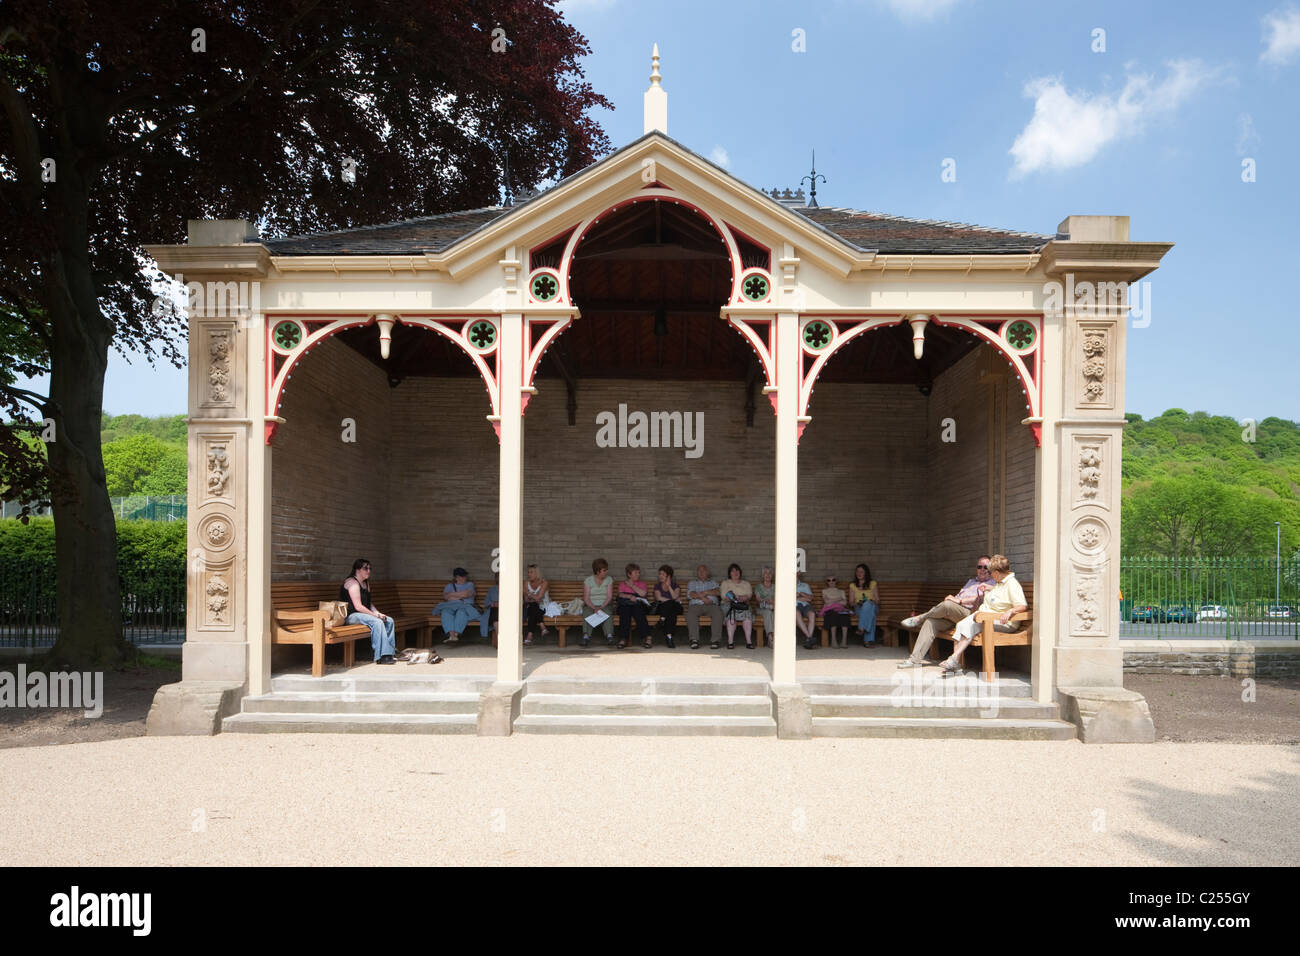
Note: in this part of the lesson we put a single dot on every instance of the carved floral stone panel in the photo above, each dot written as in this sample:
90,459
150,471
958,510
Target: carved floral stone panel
1090,465
1095,359
216,595
218,357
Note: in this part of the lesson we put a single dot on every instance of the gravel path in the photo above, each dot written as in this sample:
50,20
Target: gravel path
317,799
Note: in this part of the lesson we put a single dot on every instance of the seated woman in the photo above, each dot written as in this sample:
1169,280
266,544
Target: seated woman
865,600
668,594
536,596
1005,598
766,595
457,608
736,595
805,615
598,595
632,605
835,612
361,610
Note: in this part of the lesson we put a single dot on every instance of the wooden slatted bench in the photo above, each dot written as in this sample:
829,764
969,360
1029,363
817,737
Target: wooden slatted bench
427,594
297,619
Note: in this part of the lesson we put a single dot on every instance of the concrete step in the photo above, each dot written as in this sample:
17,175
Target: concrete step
389,683
874,705
971,728
325,723
712,725
301,702
919,683
666,705
636,686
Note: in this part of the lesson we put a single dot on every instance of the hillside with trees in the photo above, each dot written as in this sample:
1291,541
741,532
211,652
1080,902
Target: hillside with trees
1203,485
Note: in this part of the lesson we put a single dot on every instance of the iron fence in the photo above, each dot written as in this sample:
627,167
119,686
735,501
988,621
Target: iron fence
134,507
153,606
1225,598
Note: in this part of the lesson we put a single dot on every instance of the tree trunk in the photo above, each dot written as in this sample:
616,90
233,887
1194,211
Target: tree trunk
85,534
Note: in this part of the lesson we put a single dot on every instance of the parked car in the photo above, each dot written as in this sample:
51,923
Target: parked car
1180,614
1212,612
1148,614
1279,610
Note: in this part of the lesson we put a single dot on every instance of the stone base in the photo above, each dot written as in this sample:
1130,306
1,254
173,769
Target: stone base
192,708
793,709
498,708
1108,715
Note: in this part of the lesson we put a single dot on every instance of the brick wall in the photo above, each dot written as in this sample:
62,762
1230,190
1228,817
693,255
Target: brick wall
875,483
329,499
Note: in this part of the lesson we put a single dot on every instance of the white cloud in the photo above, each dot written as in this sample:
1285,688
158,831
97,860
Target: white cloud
1246,135
1281,36
719,156
1069,129
920,9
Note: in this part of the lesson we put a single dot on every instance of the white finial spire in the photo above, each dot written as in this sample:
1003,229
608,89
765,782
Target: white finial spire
656,99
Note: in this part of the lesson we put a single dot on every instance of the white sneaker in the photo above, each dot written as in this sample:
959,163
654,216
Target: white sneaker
911,623
911,663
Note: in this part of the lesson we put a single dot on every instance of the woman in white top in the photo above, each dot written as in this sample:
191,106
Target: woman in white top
536,597
1005,599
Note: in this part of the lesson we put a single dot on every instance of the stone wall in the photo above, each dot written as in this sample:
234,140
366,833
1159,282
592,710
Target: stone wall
876,484
1213,658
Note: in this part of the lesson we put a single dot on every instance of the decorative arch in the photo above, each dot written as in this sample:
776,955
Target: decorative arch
289,338
542,330
1017,337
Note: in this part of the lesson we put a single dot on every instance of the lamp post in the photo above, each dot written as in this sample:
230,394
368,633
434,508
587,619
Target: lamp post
1277,584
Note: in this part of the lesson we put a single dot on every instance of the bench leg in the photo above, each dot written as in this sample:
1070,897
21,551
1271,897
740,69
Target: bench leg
349,653
562,633
988,658
318,656
401,640
826,641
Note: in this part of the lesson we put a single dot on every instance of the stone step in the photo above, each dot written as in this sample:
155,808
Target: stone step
918,683
636,686
325,723
749,705
300,702
875,705
970,728
389,683
713,725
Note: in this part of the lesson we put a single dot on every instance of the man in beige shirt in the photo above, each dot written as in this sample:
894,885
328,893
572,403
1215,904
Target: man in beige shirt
1006,598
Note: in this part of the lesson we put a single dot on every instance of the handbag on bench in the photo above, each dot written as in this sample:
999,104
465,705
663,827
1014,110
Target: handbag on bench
338,612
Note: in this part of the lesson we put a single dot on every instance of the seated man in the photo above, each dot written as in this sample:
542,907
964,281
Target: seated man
1005,599
704,599
945,615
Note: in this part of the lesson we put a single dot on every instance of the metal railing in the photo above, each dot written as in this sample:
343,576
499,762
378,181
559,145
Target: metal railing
153,606
1251,598
133,507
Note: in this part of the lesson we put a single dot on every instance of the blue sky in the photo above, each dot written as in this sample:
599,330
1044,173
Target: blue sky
1040,126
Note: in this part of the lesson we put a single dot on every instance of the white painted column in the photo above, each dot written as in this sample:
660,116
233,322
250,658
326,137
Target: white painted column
1048,487
784,635
258,540
511,514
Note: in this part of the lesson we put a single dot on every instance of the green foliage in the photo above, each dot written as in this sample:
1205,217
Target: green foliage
1197,485
168,428
144,465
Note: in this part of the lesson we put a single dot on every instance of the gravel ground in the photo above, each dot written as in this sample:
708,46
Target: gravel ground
317,800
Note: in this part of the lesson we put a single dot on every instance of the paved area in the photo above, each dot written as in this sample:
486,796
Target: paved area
590,800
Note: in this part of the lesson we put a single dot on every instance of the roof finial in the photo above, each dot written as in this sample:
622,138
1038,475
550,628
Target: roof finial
812,180
656,99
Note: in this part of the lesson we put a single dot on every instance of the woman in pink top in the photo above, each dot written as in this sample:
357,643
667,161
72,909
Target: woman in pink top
632,603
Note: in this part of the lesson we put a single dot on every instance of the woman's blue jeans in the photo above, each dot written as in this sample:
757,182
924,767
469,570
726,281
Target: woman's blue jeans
381,633
867,620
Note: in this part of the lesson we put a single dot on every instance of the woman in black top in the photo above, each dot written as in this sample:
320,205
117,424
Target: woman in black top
361,610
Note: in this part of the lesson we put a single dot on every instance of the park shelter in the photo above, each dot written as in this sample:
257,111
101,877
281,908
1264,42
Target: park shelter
432,393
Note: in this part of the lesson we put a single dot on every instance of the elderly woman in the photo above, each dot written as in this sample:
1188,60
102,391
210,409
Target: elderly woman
457,608
598,595
736,595
1005,599
361,610
766,594
835,612
804,613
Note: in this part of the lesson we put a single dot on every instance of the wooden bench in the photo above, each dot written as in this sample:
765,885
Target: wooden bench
428,594
297,619
989,639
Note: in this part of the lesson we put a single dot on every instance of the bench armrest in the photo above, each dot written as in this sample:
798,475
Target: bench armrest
297,616
994,615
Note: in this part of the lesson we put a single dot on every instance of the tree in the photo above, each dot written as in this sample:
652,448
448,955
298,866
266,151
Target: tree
143,465
123,120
